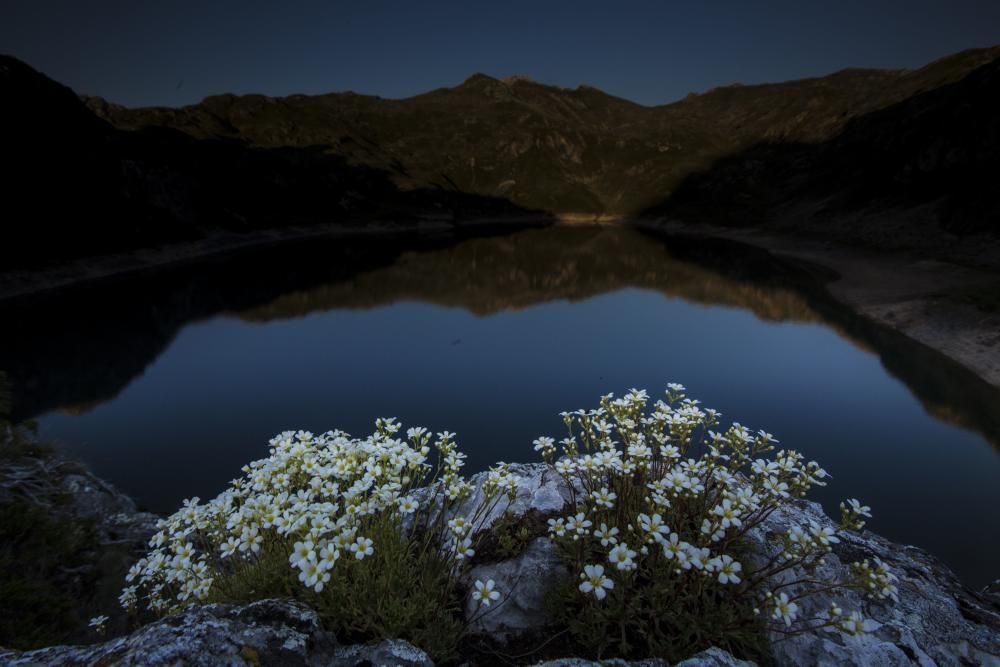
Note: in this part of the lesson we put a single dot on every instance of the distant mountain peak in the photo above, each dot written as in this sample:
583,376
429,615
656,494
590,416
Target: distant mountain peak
517,78
477,78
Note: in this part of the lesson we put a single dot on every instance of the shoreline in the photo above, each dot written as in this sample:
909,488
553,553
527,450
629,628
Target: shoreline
29,282
931,301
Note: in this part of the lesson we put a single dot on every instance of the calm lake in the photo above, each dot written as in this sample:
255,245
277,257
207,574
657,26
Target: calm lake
166,383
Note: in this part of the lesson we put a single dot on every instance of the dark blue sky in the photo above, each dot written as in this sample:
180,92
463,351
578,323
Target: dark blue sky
141,53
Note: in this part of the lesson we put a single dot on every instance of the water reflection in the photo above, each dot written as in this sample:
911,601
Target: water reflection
166,383
74,349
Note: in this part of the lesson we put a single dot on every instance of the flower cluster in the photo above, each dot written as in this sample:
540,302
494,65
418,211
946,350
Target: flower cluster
316,500
661,489
853,514
876,579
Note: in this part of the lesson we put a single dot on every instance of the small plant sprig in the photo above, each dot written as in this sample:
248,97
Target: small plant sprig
662,506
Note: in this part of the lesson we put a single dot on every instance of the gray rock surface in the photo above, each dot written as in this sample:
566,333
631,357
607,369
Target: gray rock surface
115,513
540,489
713,657
269,632
50,481
522,582
393,652
936,621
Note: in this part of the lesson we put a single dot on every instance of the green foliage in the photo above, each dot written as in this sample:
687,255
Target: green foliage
46,576
509,536
17,440
658,614
40,602
5,398
402,591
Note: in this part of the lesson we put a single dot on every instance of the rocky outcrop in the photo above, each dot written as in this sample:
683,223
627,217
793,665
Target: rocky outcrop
269,632
935,622
72,492
712,657
524,580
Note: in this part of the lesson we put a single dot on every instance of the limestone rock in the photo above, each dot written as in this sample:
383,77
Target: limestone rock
540,489
393,652
268,632
115,514
936,621
713,657
522,582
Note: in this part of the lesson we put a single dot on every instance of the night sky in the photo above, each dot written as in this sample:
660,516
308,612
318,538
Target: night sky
171,53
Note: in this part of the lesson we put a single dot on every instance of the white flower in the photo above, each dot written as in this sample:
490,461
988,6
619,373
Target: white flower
464,549
579,524
699,558
729,515
858,508
543,444
184,552
676,549
605,498
606,535
653,525
229,547
328,556
98,622
484,593
362,547
565,466
302,552
853,624
728,570
458,525
823,534
408,505
784,610
251,539
557,527
595,582
313,576
621,557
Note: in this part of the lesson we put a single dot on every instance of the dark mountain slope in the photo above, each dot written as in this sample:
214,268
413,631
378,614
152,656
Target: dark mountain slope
916,173
73,185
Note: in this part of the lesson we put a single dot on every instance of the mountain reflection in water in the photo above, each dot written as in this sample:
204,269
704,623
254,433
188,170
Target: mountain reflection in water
491,336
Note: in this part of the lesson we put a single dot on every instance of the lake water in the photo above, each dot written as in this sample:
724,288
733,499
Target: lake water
167,383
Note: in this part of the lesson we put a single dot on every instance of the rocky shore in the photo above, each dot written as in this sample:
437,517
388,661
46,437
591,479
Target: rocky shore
937,621
948,304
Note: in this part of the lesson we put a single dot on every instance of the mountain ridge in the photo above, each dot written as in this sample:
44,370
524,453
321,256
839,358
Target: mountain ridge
484,147
492,137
